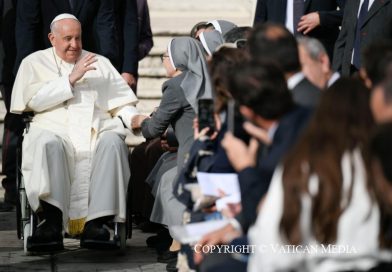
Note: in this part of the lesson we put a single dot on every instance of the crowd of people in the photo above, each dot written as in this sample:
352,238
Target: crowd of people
300,113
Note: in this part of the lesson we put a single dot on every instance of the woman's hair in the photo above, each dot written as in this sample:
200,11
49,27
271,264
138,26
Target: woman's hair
381,162
221,63
341,122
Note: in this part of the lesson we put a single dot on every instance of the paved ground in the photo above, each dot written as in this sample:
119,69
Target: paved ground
137,256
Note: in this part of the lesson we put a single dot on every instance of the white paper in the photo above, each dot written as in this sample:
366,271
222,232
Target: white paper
191,233
214,184
231,199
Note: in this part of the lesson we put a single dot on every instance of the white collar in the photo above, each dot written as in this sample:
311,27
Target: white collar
293,81
335,76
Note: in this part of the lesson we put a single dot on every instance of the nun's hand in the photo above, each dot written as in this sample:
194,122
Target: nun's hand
137,121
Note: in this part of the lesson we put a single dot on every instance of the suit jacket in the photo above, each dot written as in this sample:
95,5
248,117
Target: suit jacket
306,94
96,17
377,25
126,15
7,32
330,17
254,181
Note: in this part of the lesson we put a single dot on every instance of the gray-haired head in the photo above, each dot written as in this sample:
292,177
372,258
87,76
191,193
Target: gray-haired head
61,17
186,54
312,46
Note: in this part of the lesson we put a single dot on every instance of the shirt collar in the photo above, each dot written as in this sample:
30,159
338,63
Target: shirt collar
335,76
293,81
272,130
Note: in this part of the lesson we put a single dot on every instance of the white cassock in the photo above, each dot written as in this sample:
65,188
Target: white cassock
85,182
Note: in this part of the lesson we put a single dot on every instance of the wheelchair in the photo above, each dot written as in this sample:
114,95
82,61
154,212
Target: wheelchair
27,221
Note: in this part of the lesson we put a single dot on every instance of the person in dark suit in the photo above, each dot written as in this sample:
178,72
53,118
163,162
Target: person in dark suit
96,17
13,123
126,19
364,22
319,19
282,49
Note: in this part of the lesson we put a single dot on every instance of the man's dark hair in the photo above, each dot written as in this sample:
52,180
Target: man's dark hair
377,61
273,42
237,33
196,28
381,148
261,87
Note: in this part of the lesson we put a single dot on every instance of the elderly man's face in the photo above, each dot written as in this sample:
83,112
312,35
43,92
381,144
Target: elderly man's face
66,38
314,70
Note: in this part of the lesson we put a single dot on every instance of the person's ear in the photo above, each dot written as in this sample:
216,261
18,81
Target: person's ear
325,64
364,76
51,38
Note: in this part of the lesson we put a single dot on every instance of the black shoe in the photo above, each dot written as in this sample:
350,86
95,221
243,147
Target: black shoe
47,232
6,207
47,237
161,241
94,230
172,266
167,256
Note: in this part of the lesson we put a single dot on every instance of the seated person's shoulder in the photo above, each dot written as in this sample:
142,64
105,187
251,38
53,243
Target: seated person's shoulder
173,83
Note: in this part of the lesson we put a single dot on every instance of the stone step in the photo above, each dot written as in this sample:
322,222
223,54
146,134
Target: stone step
147,106
150,88
151,66
173,16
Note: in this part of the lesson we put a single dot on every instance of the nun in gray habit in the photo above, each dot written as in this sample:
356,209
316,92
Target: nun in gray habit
185,63
211,40
222,26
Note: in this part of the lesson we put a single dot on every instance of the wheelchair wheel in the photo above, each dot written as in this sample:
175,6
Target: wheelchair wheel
26,234
123,236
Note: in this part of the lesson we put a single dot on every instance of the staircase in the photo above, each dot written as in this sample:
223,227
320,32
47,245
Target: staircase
172,18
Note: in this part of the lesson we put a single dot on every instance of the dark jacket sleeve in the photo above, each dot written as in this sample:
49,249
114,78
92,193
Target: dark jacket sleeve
28,26
341,43
130,36
334,17
167,111
106,33
254,185
145,34
261,12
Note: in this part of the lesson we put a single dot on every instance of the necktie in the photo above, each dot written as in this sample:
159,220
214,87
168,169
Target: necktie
357,42
298,12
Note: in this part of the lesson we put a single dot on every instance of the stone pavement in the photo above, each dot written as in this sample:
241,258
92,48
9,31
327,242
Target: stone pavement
137,257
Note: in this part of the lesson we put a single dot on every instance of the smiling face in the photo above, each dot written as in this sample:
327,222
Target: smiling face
66,38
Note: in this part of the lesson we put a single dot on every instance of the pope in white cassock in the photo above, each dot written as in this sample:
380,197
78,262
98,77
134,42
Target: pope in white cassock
75,161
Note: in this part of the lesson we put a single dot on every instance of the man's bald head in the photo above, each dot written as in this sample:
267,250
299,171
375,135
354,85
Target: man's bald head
273,42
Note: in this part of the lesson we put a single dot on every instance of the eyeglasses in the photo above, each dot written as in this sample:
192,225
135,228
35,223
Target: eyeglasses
163,56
